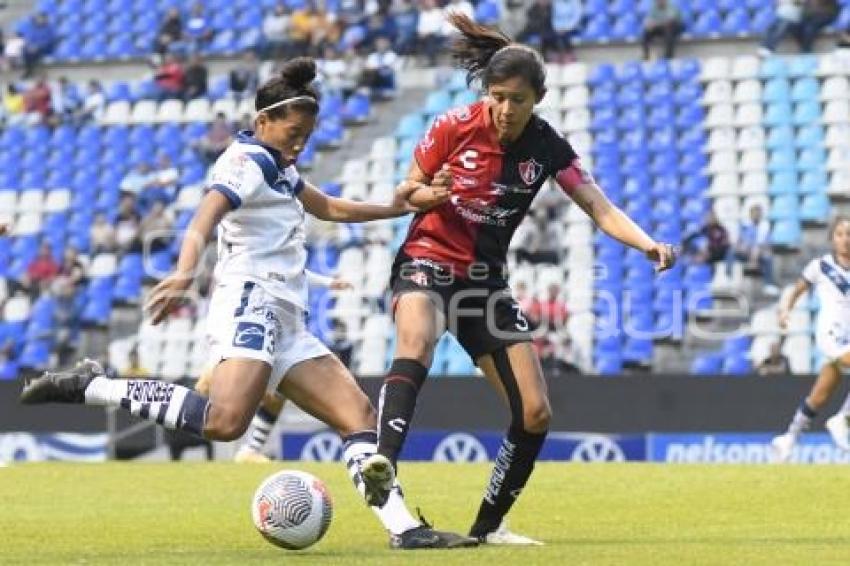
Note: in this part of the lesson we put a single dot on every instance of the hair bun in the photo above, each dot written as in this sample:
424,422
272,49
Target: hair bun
298,73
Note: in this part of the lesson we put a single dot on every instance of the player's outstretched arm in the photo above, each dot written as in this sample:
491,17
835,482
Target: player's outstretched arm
619,226
335,209
169,293
435,193
787,305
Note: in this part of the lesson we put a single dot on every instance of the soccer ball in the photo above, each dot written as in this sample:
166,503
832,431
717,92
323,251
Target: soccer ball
292,509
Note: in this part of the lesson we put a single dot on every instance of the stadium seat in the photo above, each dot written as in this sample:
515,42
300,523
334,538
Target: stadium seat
707,364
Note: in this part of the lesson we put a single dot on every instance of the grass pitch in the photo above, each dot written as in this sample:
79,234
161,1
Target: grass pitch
587,514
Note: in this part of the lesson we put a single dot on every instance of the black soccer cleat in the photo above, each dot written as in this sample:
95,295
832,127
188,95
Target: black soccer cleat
423,537
61,386
378,478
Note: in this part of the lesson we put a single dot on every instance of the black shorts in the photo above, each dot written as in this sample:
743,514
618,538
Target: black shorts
483,317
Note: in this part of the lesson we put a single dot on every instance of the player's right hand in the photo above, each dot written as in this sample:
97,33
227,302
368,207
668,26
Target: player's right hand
168,295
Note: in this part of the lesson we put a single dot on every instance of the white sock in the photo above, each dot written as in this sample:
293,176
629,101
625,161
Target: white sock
802,420
261,426
394,515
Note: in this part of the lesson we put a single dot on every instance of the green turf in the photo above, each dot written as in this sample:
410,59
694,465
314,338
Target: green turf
587,514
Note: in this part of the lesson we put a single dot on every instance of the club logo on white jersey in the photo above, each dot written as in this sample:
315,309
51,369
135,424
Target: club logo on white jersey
249,335
529,171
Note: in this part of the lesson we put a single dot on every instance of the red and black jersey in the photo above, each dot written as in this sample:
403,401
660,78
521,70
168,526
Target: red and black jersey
493,186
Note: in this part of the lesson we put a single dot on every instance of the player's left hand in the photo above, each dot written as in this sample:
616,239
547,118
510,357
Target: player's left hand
340,284
412,196
664,256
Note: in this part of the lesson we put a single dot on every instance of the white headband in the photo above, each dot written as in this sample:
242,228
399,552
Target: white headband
286,101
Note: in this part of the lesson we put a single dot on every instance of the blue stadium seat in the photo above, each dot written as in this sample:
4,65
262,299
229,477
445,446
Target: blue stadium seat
609,364
811,136
487,12
786,233
597,28
736,22
737,365
778,114
815,208
803,65
627,27
780,137
784,207
805,90
438,102
357,108
782,160
814,182
35,355
806,113
776,90
638,351
707,24
600,75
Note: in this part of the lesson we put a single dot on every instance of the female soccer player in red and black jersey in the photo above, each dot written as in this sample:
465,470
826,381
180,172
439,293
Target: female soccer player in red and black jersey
450,271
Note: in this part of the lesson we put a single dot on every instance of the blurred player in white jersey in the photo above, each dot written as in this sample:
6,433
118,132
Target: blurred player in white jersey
829,275
256,320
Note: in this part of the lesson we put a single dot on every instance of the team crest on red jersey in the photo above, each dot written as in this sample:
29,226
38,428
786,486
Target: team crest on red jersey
529,171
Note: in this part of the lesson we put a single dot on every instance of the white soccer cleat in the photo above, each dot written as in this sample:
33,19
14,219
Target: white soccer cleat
247,455
503,536
839,429
783,447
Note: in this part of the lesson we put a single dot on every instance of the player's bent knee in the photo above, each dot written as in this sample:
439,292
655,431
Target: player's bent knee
224,425
536,417
415,345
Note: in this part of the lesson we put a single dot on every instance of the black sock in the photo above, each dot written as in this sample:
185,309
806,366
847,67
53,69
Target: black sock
514,464
397,404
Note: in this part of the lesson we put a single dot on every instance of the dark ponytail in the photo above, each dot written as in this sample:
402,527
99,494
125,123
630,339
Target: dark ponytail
490,56
294,80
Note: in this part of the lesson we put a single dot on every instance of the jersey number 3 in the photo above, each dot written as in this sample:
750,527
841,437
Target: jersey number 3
467,159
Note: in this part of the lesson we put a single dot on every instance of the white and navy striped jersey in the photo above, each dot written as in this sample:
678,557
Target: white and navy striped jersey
832,284
262,238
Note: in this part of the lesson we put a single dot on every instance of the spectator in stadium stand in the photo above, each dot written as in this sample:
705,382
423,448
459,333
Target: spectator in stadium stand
354,66
326,31
553,362
753,247
246,122
134,369
379,74
170,78
276,32
804,19
244,78
136,180
663,21
41,271
550,310
776,363
787,18
379,26
709,244
66,99
163,184
535,239
66,320
14,105
198,29
464,7
566,18
332,71
843,41
215,140
170,33
40,39
128,225
406,21
817,14
155,228
539,31
13,52
38,102
94,103
429,31
340,345
301,28
102,235
196,78
71,270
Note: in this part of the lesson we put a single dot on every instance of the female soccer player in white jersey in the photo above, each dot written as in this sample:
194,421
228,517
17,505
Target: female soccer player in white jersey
256,318
829,275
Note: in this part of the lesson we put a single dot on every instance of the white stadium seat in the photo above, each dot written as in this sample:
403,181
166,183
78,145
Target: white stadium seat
761,346
383,147
8,201
751,137
753,161
721,139
799,351
836,112
58,200
839,184
837,135
31,200
835,88
745,67
582,142
354,170
198,110
144,112
749,114
170,111
117,112
718,92
27,224
839,159
103,265
723,162
16,309
245,107
747,91
575,97
720,115
381,170
574,74
724,184
755,183
189,197
226,106
833,64
716,68
765,321
576,120
355,190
